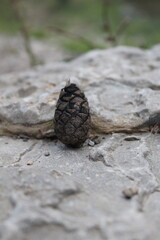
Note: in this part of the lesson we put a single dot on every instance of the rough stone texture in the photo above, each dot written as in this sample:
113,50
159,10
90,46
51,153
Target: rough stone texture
48,190
130,75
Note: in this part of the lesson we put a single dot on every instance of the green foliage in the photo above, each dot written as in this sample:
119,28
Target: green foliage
143,33
39,34
7,20
85,19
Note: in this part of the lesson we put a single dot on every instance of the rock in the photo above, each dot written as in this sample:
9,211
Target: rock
77,193
68,194
129,74
29,163
91,143
46,154
131,138
95,139
130,192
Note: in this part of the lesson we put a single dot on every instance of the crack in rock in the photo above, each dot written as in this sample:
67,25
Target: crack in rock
27,106
25,152
104,153
46,129
120,101
143,196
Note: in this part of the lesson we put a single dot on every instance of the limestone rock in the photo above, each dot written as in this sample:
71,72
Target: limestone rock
129,74
48,190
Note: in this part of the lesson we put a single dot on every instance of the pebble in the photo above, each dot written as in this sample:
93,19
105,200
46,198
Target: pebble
130,192
46,154
29,163
91,143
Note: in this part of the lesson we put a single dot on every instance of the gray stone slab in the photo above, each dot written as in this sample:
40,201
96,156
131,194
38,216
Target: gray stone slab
122,86
108,190
78,193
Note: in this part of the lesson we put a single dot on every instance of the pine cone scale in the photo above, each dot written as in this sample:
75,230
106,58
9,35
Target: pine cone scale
72,117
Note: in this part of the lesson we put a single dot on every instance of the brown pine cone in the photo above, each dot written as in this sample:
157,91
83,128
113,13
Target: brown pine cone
72,117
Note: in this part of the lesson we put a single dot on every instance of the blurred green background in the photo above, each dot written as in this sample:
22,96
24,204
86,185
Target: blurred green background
81,25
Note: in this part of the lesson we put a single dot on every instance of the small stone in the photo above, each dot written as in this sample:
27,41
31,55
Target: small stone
96,139
29,163
25,139
131,138
46,154
91,143
130,192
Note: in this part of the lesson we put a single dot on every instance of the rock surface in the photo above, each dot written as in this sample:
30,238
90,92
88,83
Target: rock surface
130,75
48,190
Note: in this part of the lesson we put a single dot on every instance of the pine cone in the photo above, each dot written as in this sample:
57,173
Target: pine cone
72,117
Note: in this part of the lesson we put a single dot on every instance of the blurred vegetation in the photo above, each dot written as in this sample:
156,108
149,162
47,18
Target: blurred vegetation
81,25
